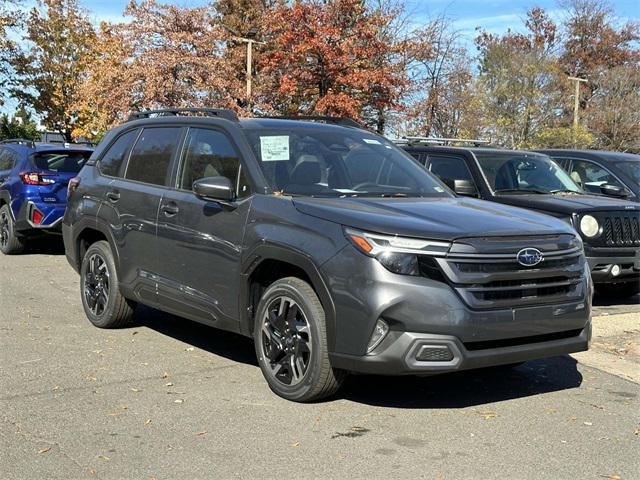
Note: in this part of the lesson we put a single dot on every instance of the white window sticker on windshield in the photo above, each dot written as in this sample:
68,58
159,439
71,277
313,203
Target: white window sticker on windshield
274,148
371,141
438,189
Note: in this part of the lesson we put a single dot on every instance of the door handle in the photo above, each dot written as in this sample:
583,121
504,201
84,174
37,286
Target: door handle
113,196
170,209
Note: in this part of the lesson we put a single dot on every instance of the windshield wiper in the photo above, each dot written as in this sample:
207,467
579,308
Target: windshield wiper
521,190
566,190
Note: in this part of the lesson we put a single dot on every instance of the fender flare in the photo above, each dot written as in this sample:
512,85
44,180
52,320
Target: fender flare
99,226
297,258
6,198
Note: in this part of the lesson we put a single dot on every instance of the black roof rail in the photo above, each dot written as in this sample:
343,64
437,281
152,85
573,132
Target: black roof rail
20,141
343,121
212,112
411,140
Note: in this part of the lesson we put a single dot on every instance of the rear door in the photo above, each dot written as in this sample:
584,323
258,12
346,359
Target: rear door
199,241
134,198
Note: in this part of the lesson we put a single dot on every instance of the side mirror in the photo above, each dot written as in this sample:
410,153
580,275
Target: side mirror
465,187
214,188
614,190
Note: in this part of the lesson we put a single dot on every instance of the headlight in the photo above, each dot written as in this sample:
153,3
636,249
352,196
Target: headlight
396,254
589,226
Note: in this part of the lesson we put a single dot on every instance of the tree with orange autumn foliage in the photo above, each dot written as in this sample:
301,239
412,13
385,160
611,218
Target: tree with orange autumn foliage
330,58
166,56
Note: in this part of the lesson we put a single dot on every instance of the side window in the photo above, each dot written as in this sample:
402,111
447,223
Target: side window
7,159
590,176
420,157
151,155
112,159
449,169
209,153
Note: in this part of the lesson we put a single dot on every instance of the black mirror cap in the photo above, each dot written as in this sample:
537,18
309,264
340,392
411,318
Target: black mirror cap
465,187
214,188
614,190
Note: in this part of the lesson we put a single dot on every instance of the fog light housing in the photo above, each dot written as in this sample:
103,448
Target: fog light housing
379,332
615,270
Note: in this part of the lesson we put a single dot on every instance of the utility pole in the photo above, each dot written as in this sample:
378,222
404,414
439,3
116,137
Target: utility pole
576,104
250,40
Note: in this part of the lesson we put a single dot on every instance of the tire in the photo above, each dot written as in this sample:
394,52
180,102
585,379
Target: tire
10,242
291,342
619,290
102,301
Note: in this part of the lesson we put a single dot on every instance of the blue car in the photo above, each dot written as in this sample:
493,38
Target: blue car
33,188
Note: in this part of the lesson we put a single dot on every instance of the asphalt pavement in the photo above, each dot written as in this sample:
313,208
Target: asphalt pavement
171,399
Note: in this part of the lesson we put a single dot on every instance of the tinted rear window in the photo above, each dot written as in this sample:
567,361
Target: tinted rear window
63,161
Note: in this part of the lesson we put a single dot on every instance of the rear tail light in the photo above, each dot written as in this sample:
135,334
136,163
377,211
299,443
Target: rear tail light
73,185
31,178
37,216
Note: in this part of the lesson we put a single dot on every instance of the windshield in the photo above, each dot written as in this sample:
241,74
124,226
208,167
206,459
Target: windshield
631,169
526,172
66,161
321,161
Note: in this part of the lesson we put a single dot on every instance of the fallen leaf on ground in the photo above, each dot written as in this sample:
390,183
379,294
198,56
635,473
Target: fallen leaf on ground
637,432
613,476
588,424
147,421
44,450
103,457
297,444
136,390
488,415
359,429
168,384
165,375
179,400
199,434
189,349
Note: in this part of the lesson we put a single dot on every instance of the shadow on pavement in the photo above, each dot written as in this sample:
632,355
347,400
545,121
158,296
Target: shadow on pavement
465,389
45,245
219,342
455,390
600,300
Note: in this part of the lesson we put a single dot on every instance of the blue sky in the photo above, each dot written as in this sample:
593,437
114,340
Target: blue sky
494,15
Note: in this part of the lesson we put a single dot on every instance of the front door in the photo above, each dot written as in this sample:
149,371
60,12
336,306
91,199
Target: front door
200,241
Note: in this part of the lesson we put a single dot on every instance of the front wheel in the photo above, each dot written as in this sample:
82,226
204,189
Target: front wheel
10,242
103,303
291,342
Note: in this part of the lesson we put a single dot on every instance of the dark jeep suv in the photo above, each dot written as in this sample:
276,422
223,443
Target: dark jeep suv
328,245
610,227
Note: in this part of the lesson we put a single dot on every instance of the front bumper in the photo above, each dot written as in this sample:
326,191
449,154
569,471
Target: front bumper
421,311
602,268
402,353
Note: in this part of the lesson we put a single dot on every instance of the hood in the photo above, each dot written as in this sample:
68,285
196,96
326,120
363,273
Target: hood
566,204
433,218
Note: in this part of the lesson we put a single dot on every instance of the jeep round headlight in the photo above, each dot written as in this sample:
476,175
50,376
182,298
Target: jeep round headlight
589,226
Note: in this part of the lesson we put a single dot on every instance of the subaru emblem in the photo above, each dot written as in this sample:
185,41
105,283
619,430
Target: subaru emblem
529,257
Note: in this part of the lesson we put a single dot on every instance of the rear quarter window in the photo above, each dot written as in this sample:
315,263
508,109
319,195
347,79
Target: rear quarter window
112,159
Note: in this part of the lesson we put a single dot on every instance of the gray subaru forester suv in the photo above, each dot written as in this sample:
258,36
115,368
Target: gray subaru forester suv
332,248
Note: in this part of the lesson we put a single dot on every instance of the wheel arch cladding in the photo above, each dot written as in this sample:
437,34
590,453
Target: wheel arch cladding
269,263
90,235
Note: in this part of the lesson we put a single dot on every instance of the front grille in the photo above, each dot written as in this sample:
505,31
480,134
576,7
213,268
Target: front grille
621,230
489,280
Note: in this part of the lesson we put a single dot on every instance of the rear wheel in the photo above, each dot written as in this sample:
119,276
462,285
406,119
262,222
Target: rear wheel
103,303
291,342
11,243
